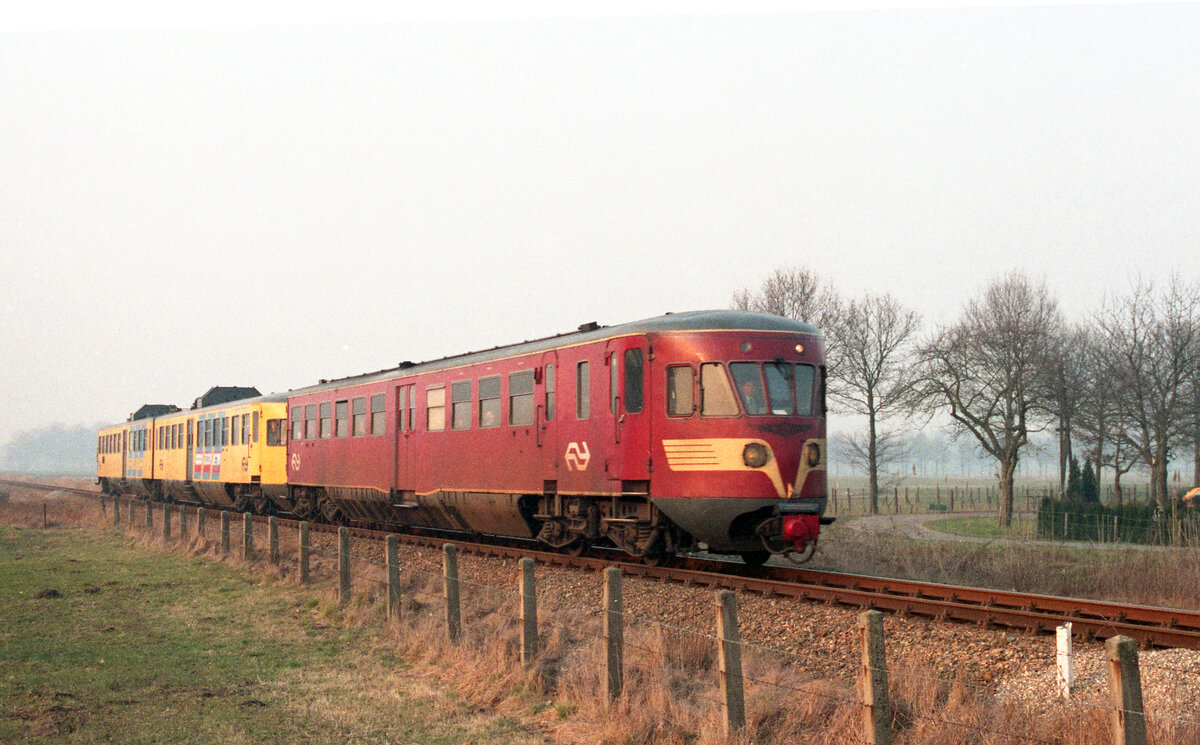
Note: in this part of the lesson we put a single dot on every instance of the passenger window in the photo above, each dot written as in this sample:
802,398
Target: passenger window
489,402
275,433
680,385
520,398
253,424
435,410
378,414
401,403
460,399
326,420
236,431
297,422
716,395
310,421
341,418
360,416
613,382
550,392
583,391
633,380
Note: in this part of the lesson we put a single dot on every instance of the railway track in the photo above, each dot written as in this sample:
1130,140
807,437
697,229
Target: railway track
1090,619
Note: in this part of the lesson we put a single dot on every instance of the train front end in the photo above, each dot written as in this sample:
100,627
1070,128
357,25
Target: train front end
742,442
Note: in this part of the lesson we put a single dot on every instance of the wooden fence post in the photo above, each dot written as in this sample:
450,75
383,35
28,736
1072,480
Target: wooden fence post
273,539
529,638
303,551
344,565
1125,692
132,505
103,505
873,681
614,633
729,657
225,532
149,517
183,532
450,590
166,533
116,510
247,536
393,577
200,514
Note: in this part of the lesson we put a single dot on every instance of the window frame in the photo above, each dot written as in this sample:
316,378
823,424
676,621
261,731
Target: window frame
439,408
461,399
489,403
583,390
524,398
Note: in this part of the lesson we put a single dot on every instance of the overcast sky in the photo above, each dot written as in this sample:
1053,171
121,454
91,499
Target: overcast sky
186,205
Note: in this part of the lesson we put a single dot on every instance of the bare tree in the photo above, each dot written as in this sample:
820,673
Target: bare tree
984,371
1154,340
1064,378
1100,419
874,374
798,293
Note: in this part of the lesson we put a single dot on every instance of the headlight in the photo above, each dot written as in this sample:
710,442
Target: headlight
755,455
813,452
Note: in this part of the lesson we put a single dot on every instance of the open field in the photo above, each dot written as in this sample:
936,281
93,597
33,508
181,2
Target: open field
361,679
106,641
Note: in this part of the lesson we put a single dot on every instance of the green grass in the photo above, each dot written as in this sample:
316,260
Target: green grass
985,526
149,647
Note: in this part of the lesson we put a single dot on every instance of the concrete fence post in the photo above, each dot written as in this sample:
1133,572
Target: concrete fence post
1127,715
116,511
873,680
529,637
166,532
344,565
614,633
200,514
729,658
183,531
303,551
247,536
225,532
393,577
149,518
132,505
450,587
273,539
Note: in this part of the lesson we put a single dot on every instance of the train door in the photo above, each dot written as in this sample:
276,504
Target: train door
405,410
625,362
124,451
547,413
190,463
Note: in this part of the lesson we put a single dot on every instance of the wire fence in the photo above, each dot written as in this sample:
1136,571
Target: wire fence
693,673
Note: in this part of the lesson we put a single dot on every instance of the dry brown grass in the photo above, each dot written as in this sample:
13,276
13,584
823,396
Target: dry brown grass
671,694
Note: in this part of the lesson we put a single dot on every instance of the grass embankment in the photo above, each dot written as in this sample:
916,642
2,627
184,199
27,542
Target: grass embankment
142,646
985,526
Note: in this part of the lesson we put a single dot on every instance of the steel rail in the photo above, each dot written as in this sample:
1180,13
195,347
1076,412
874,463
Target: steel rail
1090,619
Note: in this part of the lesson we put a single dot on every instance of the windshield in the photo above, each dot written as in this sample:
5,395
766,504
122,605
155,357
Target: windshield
776,388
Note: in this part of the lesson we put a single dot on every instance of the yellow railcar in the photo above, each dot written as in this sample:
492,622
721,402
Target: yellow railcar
110,457
231,454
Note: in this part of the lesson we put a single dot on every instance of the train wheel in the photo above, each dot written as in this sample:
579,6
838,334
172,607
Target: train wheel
657,558
755,558
578,547
329,511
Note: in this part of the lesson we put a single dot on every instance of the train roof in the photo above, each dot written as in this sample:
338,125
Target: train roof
699,320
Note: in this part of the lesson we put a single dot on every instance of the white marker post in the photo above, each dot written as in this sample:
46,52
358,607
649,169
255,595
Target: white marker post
1066,673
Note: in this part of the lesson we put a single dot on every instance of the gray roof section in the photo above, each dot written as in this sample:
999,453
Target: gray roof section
699,320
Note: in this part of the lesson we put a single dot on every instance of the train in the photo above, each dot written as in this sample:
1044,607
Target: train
690,431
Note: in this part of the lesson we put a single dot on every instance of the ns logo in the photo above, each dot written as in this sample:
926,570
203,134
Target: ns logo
577,456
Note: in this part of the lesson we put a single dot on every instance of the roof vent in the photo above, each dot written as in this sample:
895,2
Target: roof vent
407,364
589,326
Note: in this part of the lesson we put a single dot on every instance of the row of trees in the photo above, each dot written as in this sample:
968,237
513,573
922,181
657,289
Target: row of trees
1122,386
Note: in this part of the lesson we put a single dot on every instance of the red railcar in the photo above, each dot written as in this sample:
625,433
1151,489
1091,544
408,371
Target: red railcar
656,436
